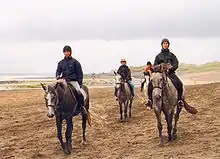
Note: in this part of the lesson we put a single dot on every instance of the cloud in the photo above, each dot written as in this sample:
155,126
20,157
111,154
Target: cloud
109,20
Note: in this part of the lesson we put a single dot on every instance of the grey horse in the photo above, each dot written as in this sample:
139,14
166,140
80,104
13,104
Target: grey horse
61,103
124,95
165,100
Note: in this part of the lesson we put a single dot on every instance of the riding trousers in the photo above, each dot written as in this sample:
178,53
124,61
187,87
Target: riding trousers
79,95
76,85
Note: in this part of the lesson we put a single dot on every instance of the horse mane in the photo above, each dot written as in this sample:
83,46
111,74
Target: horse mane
62,82
163,67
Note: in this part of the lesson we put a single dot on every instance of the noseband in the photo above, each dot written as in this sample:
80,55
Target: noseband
163,84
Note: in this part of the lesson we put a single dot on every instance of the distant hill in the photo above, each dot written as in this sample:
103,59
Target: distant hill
186,68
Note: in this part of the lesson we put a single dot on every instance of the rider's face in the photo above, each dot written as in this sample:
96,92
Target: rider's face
123,62
165,45
66,53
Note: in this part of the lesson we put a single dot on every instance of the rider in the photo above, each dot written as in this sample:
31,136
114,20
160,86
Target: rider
125,73
70,70
147,72
165,56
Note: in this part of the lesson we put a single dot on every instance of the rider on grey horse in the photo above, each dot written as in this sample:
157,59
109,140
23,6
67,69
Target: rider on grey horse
165,56
147,72
70,70
125,73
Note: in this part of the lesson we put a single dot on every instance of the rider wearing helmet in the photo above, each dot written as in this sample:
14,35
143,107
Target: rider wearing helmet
165,56
70,70
147,72
125,73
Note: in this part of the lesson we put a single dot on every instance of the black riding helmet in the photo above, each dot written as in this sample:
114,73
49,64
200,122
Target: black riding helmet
149,63
67,48
165,40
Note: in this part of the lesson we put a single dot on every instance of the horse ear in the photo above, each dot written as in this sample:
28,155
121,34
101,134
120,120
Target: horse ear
43,86
115,73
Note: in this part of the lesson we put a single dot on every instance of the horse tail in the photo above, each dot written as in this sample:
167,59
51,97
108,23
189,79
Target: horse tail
189,108
85,88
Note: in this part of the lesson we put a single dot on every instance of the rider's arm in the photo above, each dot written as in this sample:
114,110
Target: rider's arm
79,73
174,63
59,70
119,70
156,61
129,74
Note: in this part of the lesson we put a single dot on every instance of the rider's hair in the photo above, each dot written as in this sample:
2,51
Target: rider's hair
149,63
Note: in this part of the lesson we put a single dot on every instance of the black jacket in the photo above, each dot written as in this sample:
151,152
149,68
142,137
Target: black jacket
70,69
125,72
165,56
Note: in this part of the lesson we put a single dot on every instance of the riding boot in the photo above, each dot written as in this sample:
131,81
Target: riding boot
180,102
80,100
149,92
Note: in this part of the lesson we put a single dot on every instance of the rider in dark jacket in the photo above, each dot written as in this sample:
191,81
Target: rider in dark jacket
165,56
70,70
125,73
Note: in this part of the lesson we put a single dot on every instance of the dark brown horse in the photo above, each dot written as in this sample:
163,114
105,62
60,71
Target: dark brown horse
61,103
165,100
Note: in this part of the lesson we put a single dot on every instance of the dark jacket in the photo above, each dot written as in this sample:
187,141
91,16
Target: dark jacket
70,69
125,72
165,56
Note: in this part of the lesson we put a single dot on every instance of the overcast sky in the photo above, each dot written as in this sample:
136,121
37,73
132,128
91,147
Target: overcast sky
101,32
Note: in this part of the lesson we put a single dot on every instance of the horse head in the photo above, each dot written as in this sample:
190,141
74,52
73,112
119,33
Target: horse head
118,79
159,78
54,93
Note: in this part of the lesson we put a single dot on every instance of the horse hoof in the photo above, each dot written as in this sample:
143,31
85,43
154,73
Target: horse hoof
169,138
160,144
63,146
174,136
67,152
83,142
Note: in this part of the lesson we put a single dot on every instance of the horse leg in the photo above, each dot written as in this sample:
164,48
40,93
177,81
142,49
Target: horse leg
159,125
125,110
68,135
120,104
176,118
84,117
169,119
130,105
59,130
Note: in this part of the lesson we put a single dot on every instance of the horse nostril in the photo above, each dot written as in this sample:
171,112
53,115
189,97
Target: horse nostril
50,115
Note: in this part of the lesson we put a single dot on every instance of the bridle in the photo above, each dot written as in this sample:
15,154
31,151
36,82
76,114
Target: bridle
164,82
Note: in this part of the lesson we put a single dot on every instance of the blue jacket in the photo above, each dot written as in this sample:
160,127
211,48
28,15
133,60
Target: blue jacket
70,69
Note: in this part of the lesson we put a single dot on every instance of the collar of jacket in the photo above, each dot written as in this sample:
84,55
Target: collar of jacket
165,50
67,58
